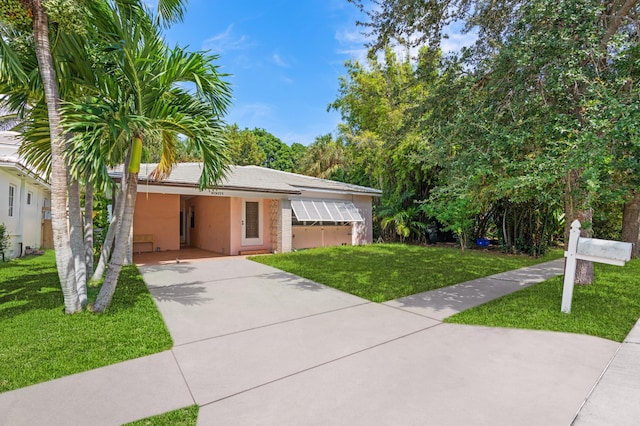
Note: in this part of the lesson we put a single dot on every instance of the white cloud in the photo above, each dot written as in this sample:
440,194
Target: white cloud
279,61
250,112
352,44
286,80
227,41
457,40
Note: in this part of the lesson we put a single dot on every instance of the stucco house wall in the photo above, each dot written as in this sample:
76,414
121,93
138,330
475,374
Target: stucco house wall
157,215
320,236
362,232
211,223
30,195
236,215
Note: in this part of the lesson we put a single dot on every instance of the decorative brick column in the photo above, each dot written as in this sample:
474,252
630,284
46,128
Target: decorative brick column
274,214
284,227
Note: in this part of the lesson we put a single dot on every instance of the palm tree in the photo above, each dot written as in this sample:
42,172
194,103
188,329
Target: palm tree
18,17
142,101
324,157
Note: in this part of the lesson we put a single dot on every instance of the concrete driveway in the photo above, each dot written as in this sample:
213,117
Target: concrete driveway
257,346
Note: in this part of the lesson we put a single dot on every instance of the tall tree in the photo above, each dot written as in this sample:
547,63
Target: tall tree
19,15
141,101
553,77
243,146
383,103
277,153
324,157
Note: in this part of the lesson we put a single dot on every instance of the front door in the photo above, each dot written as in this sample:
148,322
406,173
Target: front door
251,222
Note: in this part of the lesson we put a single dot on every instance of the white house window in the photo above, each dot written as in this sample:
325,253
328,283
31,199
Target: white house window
12,193
29,196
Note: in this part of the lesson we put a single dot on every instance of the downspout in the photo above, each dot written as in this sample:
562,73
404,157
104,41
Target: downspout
21,212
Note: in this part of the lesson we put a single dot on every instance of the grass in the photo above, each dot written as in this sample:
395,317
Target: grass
40,342
183,417
607,308
381,272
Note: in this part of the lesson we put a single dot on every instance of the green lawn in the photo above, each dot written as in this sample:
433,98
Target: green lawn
607,308
381,272
40,342
184,417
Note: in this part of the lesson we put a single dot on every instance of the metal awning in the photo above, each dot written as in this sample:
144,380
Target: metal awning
325,211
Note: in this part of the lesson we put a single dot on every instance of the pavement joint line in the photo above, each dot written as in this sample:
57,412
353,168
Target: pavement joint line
183,377
595,385
272,324
331,361
410,312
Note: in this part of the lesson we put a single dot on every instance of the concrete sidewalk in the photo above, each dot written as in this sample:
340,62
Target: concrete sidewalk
615,398
255,345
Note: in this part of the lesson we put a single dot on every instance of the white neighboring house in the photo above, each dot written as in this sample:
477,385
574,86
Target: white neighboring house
25,200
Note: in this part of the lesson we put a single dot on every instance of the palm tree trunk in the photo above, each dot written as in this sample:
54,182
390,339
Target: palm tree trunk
61,241
88,227
120,249
107,245
122,237
76,234
116,214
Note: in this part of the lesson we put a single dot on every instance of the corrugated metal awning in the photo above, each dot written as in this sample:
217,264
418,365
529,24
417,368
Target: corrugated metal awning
325,211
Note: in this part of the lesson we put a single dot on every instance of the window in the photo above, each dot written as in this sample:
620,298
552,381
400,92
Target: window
29,196
251,223
12,193
252,227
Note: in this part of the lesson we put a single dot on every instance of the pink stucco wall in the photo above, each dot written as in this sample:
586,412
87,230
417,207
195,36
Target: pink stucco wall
158,215
211,229
320,236
363,231
236,227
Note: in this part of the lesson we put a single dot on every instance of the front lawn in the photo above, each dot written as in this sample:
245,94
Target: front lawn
607,308
381,272
183,417
39,342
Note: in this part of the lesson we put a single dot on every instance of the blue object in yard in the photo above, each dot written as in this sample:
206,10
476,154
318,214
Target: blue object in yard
482,242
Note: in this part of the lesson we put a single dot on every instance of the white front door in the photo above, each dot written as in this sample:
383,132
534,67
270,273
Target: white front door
251,222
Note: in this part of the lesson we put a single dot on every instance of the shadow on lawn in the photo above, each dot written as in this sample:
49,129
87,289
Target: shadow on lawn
28,287
294,281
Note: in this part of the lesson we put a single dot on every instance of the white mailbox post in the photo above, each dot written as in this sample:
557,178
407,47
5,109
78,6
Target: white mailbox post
593,250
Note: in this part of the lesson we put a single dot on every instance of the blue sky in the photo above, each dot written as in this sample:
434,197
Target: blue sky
284,57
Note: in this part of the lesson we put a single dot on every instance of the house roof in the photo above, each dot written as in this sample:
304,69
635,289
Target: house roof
255,179
11,160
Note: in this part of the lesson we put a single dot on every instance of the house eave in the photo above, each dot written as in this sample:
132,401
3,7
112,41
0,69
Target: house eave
219,188
370,193
22,169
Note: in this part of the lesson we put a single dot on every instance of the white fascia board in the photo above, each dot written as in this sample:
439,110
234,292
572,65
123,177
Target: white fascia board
371,193
219,192
32,176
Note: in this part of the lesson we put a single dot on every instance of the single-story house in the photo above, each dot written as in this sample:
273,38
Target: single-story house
253,210
26,200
